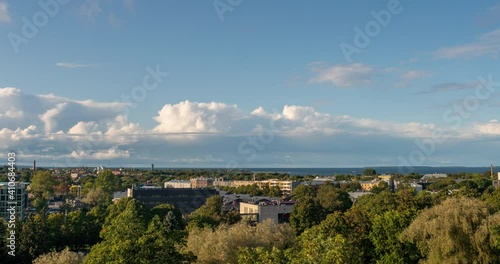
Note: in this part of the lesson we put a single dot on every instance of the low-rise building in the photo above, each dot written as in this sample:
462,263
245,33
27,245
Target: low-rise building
262,210
178,184
241,183
220,182
75,191
201,182
496,183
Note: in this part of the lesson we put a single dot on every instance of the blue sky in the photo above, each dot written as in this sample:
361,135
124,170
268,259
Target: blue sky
235,66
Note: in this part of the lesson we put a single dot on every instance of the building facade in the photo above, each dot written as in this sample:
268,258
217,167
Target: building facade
259,212
178,184
19,201
197,183
186,200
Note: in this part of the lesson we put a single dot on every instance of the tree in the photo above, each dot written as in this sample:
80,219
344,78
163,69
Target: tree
380,187
168,210
447,233
120,235
260,255
81,229
158,245
275,191
42,185
34,238
61,189
305,214
493,199
375,204
63,257
3,241
316,248
211,214
221,245
332,198
108,183
385,233
96,196
369,172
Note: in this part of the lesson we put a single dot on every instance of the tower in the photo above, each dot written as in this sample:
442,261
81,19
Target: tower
34,167
492,172
153,167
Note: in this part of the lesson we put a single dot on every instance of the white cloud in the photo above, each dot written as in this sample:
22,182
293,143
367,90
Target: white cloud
73,65
488,44
4,12
65,132
490,128
9,91
414,75
12,113
194,117
343,75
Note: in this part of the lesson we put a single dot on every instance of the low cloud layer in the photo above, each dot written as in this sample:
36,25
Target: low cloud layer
64,132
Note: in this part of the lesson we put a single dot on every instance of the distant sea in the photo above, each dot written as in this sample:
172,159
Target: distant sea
380,170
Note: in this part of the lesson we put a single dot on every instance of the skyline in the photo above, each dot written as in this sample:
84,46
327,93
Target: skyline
242,85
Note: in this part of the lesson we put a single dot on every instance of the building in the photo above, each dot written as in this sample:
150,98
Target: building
496,183
75,191
178,184
264,209
285,186
186,200
197,183
219,182
388,179
241,183
18,197
368,185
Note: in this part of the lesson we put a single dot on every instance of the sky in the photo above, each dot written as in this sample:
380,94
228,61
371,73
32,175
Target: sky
239,84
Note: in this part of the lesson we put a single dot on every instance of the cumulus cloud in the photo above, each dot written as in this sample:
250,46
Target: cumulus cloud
66,132
194,117
343,75
488,44
490,128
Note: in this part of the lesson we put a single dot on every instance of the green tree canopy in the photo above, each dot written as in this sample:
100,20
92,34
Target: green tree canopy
369,172
448,232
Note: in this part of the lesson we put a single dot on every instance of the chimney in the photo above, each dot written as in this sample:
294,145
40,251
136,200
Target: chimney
492,173
152,167
34,167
